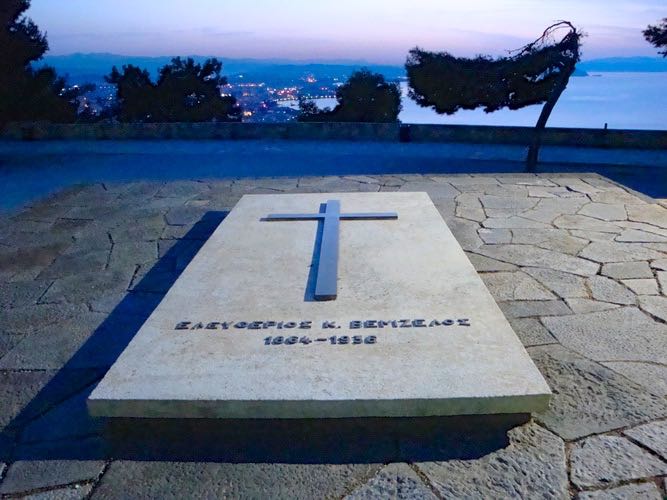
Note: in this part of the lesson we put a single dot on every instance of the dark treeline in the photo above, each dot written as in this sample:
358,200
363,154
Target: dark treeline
27,93
184,92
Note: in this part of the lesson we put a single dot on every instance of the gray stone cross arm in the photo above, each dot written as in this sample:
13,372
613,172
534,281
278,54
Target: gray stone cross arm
326,283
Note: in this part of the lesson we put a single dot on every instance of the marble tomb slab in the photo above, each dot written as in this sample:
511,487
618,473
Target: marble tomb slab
413,330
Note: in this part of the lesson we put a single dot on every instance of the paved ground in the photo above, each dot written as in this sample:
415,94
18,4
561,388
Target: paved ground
577,263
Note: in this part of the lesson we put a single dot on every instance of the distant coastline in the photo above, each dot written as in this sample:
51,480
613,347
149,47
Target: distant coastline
93,67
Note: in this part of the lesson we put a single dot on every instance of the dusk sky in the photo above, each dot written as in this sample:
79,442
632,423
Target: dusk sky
380,31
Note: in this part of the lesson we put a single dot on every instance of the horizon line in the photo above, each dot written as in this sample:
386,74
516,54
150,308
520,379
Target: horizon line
332,61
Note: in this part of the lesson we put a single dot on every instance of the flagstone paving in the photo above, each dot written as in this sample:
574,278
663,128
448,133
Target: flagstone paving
576,262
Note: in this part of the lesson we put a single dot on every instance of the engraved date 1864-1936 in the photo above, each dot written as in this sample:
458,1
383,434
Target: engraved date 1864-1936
333,340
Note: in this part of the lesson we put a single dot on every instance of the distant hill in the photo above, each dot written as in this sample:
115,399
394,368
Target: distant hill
93,67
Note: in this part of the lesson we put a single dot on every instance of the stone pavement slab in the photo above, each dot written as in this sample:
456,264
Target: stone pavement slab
652,435
608,460
76,492
604,211
532,465
607,290
515,286
641,491
178,480
625,270
528,255
532,332
23,477
608,251
655,306
620,334
652,376
642,286
394,481
565,285
583,306
589,398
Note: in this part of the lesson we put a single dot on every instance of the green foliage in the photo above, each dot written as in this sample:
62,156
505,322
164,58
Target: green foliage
537,73
185,92
27,93
657,36
365,97
448,83
134,93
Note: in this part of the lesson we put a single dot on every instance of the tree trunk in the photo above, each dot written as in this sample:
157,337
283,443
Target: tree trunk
534,148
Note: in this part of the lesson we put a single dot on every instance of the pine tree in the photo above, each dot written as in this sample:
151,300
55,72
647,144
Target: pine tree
27,93
536,74
657,36
365,97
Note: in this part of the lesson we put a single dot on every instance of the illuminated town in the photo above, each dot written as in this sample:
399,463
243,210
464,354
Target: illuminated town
275,100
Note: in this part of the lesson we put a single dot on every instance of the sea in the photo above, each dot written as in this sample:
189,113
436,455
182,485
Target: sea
617,100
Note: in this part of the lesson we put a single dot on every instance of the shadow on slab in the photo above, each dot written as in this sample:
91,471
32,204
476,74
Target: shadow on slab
309,294
56,423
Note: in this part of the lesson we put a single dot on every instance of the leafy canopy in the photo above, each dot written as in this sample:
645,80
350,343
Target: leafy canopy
184,92
27,93
365,97
657,36
448,83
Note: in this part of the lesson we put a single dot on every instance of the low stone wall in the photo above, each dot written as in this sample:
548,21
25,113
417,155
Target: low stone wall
578,137
192,131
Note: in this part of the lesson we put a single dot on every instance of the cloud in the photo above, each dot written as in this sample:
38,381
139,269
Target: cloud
377,30
214,31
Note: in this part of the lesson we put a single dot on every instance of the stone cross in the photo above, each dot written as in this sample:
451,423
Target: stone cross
326,285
